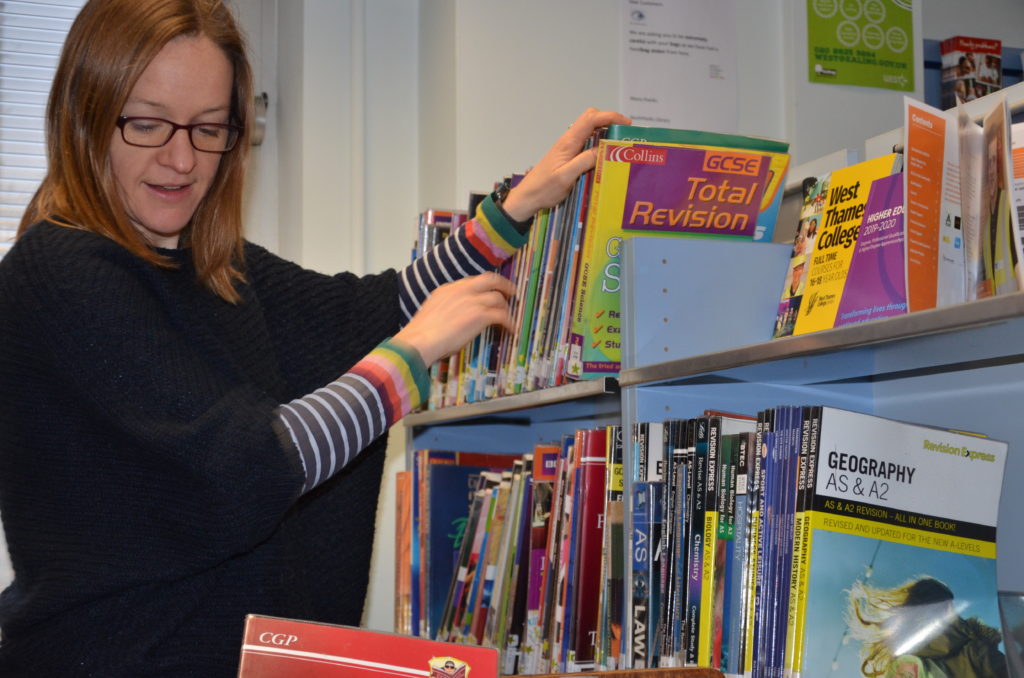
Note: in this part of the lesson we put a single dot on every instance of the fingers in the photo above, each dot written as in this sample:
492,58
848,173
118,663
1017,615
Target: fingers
491,281
552,177
456,312
592,119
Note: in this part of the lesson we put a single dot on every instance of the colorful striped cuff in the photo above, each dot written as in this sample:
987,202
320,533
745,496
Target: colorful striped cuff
400,375
330,426
480,245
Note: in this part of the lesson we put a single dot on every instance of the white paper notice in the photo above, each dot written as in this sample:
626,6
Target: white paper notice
679,64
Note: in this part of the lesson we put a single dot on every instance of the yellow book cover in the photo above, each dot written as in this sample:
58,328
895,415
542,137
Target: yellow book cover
833,244
655,190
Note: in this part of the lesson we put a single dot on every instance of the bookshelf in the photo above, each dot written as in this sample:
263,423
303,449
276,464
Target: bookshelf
696,321
960,366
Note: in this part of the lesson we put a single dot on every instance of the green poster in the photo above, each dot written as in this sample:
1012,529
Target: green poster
869,43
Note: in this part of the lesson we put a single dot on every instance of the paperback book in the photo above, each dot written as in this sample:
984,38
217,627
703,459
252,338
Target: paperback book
652,189
831,220
287,648
899,568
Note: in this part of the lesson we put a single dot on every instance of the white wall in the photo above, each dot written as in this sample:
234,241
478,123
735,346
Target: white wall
993,19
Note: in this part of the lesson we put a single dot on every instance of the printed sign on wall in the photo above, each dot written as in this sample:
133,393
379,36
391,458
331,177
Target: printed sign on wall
869,43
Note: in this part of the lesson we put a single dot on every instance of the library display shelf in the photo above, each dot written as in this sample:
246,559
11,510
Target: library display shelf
697,315
515,423
948,320
519,401
695,336
959,367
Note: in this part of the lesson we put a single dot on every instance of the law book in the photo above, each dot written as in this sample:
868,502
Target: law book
832,217
273,647
902,544
646,512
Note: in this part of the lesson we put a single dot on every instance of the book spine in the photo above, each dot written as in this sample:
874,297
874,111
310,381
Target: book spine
640,549
804,564
588,568
695,545
795,580
709,545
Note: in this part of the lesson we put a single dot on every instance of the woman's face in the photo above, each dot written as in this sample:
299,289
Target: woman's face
188,81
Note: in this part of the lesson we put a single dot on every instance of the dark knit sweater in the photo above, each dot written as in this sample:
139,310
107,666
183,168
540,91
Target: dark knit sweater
147,502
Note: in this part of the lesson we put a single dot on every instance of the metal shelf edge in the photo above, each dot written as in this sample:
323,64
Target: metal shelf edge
921,323
511,403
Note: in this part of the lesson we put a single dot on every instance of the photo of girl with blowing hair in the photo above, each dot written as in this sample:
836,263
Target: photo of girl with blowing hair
914,630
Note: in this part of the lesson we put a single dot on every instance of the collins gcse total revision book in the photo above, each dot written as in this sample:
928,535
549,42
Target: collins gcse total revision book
286,648
652,189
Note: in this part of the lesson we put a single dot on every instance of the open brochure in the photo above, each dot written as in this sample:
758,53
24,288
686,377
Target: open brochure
963,232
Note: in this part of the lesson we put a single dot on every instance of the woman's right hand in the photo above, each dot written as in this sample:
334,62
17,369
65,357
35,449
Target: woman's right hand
456,312
551,179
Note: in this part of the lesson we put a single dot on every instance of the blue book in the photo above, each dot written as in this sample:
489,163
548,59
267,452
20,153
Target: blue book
641,550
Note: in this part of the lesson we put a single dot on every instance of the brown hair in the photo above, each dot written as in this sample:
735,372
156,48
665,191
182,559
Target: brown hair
108,47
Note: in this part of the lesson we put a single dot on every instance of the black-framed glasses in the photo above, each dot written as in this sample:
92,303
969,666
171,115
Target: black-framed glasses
209,137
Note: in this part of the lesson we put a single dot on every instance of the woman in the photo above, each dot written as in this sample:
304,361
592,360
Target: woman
178,448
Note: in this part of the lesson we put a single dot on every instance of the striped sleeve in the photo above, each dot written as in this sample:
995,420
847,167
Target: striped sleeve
330,426
478,246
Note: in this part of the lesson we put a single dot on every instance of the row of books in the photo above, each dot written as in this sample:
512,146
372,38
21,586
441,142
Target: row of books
566,313
934,225
800,541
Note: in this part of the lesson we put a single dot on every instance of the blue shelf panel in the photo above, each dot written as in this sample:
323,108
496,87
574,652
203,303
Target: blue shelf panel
690,296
